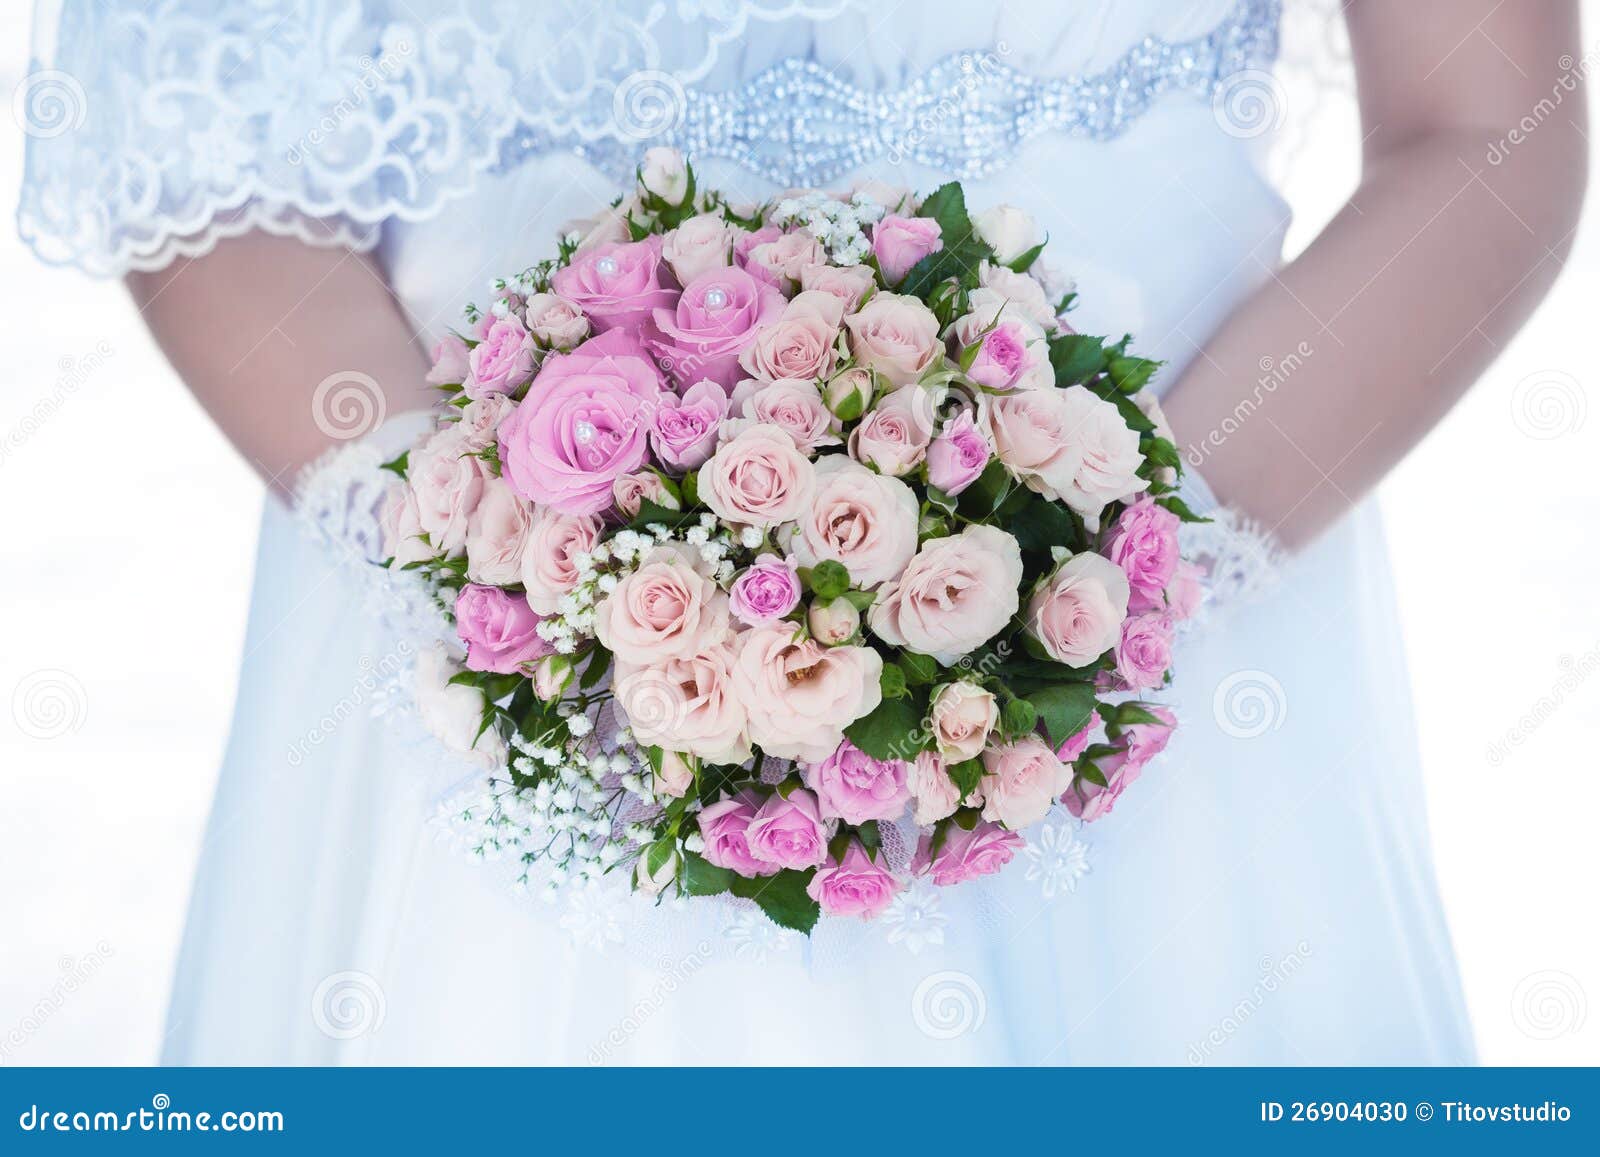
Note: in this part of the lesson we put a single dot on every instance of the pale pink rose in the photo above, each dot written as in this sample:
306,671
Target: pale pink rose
617,284
552,675
854,886
585,423
698,246
453,713
958,455
833,622
1145,650
966,855
1021,290
548,567
720,313
758,479
479,426
789,833
1011,354
933,792
894,198
686,427
800,344
1145,741
895,434
779,261
1144,544
746,240
1089,801
1009,231
1146,401
900,242
792,405
686,703
499,629
863,521
497,531
725,828
1021,780
956,594
607,227
962,715
1069,446
801,695
664,173
665,609
631,490
854,787
850,392
555,322
1186,591
502,360
1078,742
653,884
447,479
402,528
1077,612
450,362
675,776
849,283
897,335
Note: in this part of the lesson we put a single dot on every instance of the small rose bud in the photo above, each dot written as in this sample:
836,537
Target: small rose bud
664,173
850,393
833,622
675,777
653,884
552,676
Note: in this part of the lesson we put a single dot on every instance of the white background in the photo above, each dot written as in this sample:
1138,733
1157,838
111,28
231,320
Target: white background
107,469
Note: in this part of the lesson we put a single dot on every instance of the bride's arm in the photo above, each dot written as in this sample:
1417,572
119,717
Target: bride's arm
257,324
1415,287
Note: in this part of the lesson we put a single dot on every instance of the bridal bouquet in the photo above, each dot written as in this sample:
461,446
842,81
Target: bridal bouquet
793,549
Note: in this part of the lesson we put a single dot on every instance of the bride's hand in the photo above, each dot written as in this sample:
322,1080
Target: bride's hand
257,325
1461,222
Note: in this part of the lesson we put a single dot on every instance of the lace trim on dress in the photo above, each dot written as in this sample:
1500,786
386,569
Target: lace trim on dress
1240,558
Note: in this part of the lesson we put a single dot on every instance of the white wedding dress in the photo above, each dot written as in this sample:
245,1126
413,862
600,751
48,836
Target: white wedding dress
1263,895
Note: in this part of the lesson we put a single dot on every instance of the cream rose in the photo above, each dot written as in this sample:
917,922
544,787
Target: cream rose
956,594
962,715
793,405
933,792
664,172
894,435
757,479
1001,287
800,344
556,322
447,480
666,609
453,713
497,532
1069,446
548,567
800,696
866,522
896,335
1077,612
1009,231
849,283
1020,782
698,246
686,703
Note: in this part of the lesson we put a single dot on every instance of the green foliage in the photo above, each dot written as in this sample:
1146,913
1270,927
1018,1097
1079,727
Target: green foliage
962,253
1064,708
893,730
782,897
827,580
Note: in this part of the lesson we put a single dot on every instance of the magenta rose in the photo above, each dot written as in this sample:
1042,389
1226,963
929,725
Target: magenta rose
854,886
1001,358
767,591
617,284
853,786
1145,741
499,629
1145,651
685,432
719,314
958,455
725,827
789,832
1144,544
900,242
966,855
1089,801
502,360
584,424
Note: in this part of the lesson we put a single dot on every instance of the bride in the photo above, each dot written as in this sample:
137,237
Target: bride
302,195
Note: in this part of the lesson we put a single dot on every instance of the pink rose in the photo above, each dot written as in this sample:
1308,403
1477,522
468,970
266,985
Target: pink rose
664,173
719,314
780,260
607,227
855,886
698,246
789,832
499,629
1078,742
854,787
631,490
1077,612
402,528
962,715
792,405
1186,591
833,622
1069,446
958,455
552,675
496,534
800,343
896,335
1010,355
686,427
447,479
502,360
1145,741
479,426
585,423
554,321
450,362
453,712
725,827
616,284
745,241
1145,651
758,479
866,522
1089,801
765,592
801,695
956,594
900,242
1021,780
665,609
548,567
894,435
966,855
686,703
849,283
933,791
1145,545
674,777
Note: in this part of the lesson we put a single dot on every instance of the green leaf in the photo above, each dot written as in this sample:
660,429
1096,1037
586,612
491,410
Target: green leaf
828,580
965,775
659,854
1024,261
1132,374
1181,508
1128,714
1044,525
1076,357
399,465
783,898
860,600
984,496
892,682
870,837
650,512
599,664
1161,452
1087,770
892,731
703,878
1018,717
1064,708
919,669
962,253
